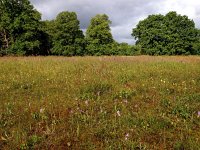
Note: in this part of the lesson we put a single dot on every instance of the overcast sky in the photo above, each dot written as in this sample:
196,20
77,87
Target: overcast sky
124,14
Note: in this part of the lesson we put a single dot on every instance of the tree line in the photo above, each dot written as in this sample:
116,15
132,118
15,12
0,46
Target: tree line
22,32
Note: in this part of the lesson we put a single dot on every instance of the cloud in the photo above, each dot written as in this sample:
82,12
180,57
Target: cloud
124,14
183,7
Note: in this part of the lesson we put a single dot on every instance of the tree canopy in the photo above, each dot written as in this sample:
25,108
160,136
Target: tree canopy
22,32
171,34
98,35
20,28
67,38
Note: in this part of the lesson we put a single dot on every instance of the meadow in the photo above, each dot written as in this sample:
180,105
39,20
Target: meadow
138,102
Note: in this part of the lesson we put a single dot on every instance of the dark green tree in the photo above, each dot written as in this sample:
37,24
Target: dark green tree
20,28
98,35
124,49
5,22
196,44
171,34
67,38
48,28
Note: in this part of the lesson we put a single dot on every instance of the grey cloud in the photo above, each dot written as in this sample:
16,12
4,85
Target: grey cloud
197,18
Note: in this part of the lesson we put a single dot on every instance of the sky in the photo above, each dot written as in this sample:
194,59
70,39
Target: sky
124,14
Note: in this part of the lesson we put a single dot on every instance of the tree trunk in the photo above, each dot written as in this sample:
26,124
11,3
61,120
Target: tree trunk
5,39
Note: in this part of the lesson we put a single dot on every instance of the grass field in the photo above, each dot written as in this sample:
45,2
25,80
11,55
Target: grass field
99,103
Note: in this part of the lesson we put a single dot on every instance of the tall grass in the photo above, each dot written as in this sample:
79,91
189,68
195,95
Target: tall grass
138,102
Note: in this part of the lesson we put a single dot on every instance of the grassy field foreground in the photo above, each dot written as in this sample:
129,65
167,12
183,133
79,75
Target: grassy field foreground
87,103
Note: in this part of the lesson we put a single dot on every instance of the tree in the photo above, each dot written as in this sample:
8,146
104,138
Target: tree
48,28
124,49
196,45
67,38
5,21
98,35
20,28
171,34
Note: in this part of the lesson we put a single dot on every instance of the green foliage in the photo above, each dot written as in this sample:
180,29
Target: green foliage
94,90
171,34
20,28
31,142
196,45
67,38
5,21
23,33
124,94
124,49
182,110
98,35
112,49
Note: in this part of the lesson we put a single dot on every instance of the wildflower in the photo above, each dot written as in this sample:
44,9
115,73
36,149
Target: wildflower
127,136
68,144
198,114
86,102
163,81
193,81
80,110
70,110
101,110
42,110
125,101
118,113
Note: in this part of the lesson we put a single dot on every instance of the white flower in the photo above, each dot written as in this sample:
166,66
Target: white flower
125,101
118,113
42,110
127,136
86,102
